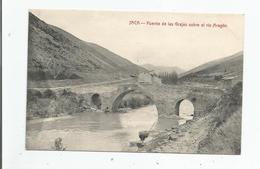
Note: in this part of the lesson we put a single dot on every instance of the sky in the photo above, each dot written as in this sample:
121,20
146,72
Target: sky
149,43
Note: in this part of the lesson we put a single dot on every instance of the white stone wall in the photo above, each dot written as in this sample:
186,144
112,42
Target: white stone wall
145,78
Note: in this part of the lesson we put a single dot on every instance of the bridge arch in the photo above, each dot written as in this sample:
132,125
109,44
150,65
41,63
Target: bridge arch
96,100
116,102
190,103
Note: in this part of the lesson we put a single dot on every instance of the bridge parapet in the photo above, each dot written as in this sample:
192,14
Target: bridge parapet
167,98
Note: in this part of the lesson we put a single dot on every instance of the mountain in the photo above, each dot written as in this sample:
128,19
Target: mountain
161,69
229,67
54,54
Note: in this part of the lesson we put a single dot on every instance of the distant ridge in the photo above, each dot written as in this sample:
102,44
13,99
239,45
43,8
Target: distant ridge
54,54
161,69
227,66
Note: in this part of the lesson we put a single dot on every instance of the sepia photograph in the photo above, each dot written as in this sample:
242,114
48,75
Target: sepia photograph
144,82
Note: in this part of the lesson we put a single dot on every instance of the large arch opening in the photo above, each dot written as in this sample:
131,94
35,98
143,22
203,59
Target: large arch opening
96,100
137,112
132,99
185,109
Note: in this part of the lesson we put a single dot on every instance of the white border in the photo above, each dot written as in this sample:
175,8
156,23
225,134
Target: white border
14,89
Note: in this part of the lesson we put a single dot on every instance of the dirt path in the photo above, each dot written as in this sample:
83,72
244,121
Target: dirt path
183,139
85,85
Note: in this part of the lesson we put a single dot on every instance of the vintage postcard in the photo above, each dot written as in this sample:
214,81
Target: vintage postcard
134,81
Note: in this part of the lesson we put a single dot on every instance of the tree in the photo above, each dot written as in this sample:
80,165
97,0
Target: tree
169,78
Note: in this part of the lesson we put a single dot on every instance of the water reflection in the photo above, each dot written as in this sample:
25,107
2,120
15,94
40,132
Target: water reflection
186,111
93,131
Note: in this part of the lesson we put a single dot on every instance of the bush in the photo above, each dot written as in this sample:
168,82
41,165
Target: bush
33,94
67,92
49,94
229,103
74,76
218,77
146,101
236,93
135,101
123,104
41,114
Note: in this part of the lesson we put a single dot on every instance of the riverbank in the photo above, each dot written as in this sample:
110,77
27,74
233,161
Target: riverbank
219,132
50,103
41,120
180,139
199,136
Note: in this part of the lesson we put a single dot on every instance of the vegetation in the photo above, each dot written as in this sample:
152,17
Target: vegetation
225,134
54,54
52,104
32,95
210,72
49,94
135,101
169,78
229,103
218,77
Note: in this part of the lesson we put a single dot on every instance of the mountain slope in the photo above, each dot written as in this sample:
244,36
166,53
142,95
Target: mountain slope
54,54
162,69
231,66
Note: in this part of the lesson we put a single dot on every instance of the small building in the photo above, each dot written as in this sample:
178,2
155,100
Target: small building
145,78
148,78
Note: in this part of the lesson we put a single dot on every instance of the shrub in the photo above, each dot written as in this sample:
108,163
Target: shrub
229,103
135,101
49,94
66,92
123,104
33,94
218,77
41,114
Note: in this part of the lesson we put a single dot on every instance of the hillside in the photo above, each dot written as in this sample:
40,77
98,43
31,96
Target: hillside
231,66
162,69
218,132
54,54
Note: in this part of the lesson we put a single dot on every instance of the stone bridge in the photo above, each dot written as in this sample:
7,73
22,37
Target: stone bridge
167,98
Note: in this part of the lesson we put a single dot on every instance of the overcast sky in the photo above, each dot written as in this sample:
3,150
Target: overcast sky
185,47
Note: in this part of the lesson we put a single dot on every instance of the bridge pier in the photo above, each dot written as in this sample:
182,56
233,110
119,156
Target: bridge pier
167,98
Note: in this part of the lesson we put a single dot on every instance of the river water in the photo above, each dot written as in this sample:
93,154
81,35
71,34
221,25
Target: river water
92,131
98,131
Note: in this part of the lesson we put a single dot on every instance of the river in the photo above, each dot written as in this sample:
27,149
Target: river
92,131
98,131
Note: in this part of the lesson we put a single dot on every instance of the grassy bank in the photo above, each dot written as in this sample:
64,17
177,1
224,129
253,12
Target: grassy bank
225,134
49,103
